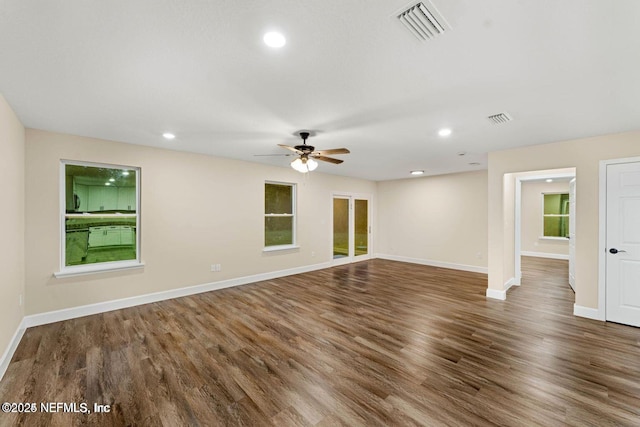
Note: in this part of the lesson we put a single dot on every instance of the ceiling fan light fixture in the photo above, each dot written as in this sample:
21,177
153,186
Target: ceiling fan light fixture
304,165
297,165
307,156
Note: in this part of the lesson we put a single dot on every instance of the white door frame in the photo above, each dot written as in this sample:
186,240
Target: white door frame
602,234
572,234
352,197
518,215
348,258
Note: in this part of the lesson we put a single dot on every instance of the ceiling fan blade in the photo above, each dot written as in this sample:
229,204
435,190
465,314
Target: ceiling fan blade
265,155
332,151
290,148
327,159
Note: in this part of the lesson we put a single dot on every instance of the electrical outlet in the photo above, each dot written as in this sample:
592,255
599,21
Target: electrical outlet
216,267
20,300
479,255
313,254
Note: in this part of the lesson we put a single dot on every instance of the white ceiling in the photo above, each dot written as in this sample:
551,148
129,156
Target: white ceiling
131,70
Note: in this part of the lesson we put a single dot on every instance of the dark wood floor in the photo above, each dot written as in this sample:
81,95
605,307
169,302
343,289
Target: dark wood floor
372,343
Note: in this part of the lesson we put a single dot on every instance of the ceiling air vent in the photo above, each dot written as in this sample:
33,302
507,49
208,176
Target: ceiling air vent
424,23
500,118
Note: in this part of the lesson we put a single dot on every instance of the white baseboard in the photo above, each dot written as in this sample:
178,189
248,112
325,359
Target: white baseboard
509,283
588,312
496,294
501,294
11,348
545,255
433,263
103,307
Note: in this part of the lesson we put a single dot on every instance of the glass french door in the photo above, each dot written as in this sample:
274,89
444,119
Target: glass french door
351,229
341,235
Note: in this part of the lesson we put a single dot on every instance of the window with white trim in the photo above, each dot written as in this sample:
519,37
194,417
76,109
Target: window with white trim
279,214
100,219
555,217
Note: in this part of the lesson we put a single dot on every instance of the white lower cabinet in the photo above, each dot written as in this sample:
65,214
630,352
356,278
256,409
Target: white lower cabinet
112,235
96,236
127,236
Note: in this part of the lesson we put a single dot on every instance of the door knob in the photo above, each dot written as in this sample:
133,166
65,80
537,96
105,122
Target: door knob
615,251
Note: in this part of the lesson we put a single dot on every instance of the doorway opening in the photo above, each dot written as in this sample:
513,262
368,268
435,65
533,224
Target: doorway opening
544,218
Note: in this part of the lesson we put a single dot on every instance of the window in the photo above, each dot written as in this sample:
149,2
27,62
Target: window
279,215
555,215
100,217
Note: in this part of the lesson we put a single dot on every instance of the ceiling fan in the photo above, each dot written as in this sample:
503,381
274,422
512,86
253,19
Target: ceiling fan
307,153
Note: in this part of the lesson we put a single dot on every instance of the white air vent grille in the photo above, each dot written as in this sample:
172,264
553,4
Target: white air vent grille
422,22
500,118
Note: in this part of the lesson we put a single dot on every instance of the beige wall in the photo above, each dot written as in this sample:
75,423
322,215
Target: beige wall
12,164
584,155
196,210
439,218
531,218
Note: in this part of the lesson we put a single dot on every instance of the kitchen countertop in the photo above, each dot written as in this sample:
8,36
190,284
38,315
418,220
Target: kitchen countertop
86,222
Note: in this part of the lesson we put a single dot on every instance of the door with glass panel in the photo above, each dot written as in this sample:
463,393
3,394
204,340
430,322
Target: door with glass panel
351,229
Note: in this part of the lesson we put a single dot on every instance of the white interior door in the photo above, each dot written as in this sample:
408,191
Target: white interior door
572,234
351,228
623,243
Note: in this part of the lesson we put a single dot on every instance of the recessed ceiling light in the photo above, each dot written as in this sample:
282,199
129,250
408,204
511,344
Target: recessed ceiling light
444,132
474,164
417,172
274,39
168,135
125,173
112,180
461,153
107,183
548,180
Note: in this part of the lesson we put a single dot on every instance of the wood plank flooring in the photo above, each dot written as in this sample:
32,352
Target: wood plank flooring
373,343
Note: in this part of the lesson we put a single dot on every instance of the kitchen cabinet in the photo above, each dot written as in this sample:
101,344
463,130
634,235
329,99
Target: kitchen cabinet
110,198
94,198
127,235
133,199
96,236
112,235
102,198
126,198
